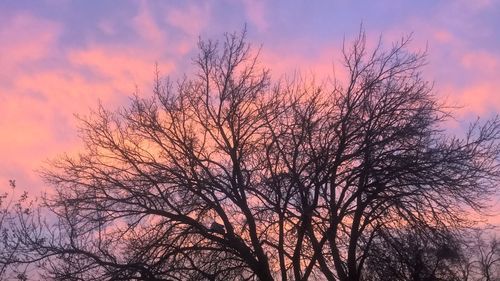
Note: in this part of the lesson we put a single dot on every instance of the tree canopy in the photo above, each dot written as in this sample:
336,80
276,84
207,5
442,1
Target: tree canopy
229,175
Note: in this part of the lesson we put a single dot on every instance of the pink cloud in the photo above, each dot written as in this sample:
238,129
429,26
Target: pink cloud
191,19
480,98
125,67
107,27
443,36
38,99
145,25
26,42
256,13
25,39
43,85
465,75
481,94
476,5
481,61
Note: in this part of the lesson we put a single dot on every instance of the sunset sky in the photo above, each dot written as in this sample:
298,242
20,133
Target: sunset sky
59,58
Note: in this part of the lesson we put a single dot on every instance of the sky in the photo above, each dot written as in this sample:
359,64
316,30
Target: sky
59,58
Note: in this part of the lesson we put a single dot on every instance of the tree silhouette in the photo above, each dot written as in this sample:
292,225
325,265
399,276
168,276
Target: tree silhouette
228,175
480,260
408,254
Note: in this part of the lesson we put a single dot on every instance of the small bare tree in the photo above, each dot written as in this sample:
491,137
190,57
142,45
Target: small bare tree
226,175
481,257
13,207
5,206
409,254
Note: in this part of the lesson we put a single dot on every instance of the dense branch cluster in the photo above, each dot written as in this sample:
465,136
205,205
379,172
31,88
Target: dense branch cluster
229,176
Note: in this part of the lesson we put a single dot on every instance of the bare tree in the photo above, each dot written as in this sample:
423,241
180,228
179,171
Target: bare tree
226,175
12,207
480,260
409,254
5,206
